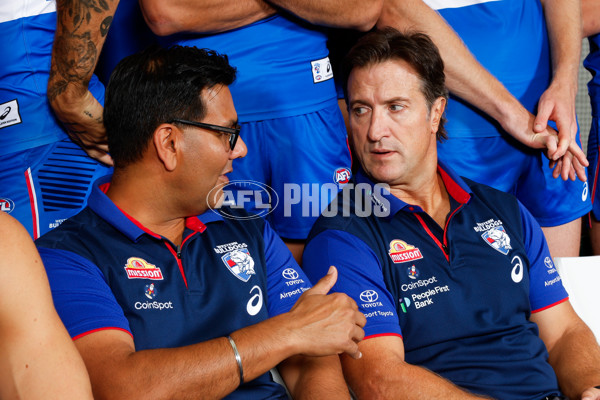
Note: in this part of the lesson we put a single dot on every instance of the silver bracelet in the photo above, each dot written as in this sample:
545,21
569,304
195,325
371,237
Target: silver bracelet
238,359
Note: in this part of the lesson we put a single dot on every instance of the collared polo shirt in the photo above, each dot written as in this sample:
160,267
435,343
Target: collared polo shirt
460,296
107,271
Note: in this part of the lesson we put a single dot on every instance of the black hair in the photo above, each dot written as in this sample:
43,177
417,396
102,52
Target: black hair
153,87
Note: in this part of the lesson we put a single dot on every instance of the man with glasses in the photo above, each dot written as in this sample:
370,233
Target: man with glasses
164,294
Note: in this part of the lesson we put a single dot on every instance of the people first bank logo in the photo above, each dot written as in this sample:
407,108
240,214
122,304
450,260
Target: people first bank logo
401,252
138,268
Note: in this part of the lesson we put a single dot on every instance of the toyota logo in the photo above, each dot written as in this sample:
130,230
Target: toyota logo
290,273
548,262
369,296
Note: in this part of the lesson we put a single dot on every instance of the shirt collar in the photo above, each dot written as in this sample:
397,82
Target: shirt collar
456,187
102,205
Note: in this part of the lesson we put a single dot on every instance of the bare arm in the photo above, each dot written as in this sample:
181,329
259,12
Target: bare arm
81,29
212,16
317,325
351,14
574,352
557,103
202,16
467,79
590,14
314,378
38,358
382,373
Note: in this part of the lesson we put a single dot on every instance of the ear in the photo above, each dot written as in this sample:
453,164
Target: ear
437,111
166,141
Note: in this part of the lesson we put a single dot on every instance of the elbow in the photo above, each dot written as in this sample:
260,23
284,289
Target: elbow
369,390
158,18
368,17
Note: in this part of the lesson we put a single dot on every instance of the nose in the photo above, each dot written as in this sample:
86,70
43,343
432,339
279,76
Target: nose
240,150
377,126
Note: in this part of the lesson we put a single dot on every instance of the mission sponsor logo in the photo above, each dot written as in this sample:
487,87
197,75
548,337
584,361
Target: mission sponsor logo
138,268
342,176
401,252
240,263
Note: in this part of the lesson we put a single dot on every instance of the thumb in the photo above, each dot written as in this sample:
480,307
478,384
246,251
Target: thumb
325,283
541,119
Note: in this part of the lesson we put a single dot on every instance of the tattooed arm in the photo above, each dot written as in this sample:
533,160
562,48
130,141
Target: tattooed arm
81,28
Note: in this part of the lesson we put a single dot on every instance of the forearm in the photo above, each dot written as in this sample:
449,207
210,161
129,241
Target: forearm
208,369
576,361
563,19
314,377
351,14
81,30
465,77
202,16
400,380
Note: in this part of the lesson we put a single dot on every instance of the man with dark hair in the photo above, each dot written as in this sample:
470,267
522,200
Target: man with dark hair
166,297
455,278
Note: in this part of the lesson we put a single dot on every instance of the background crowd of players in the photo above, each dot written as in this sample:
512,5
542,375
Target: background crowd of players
511,114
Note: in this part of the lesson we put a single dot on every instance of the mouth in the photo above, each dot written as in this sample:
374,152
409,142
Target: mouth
381,152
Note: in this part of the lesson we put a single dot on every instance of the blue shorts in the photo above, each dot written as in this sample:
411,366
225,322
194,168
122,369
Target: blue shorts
43,186
507,165
295,156
593,155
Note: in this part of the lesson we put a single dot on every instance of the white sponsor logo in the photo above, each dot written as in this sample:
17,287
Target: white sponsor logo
321,70
424,299
584,194
369,296
290,273
256,301
517,272
285,295
9,114
153,305
420,283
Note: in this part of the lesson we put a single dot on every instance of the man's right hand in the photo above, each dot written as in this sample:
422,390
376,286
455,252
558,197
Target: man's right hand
327,324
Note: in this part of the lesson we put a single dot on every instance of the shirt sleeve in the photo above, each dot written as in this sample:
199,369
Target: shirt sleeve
285,279
359,276
81,296
545,286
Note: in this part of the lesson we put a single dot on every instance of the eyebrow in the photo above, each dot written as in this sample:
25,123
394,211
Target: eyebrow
388,101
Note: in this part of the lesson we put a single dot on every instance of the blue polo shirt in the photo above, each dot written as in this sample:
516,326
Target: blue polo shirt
459,296
107,271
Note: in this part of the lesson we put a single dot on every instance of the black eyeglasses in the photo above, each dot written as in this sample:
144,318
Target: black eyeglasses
233,133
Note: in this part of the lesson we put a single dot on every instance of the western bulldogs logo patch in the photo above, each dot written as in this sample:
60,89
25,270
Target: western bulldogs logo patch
498,239
240,263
